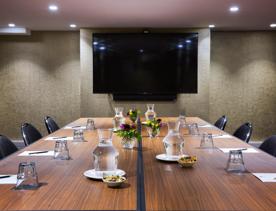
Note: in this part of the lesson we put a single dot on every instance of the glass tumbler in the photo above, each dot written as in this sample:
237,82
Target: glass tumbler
235,162
193,129
207,141
90,125
182,120
78,135
61,151
27,178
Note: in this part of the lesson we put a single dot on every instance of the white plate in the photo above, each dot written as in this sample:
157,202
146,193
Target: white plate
99,174
171,158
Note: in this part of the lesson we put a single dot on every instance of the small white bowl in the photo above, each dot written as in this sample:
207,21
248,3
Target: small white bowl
114,184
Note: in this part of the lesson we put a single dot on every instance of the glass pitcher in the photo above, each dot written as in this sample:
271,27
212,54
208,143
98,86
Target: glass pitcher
173,141
150,113
105,154
118,118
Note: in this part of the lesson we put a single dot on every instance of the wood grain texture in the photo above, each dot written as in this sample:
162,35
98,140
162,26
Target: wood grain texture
67,188
207,186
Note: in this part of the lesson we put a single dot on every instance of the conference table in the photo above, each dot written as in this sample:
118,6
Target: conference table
151,184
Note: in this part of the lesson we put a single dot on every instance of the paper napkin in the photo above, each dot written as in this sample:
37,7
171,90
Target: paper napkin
266,177
10,180
26,153
248,150
54,138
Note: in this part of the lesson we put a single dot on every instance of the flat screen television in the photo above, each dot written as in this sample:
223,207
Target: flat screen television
143,66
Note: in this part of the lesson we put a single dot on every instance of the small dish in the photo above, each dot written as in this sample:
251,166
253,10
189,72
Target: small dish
93,174
114,181
187,161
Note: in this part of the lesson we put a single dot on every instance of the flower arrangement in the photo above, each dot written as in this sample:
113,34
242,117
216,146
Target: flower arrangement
128,133
133,114
153,126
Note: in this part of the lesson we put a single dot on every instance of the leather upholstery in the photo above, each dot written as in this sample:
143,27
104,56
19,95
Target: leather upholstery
6,147
30,134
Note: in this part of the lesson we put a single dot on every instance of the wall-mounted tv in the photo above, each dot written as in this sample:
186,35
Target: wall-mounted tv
145,66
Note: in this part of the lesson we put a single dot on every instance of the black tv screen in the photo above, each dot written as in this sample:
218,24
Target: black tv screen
152,63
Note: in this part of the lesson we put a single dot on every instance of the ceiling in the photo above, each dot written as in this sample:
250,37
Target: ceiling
34,14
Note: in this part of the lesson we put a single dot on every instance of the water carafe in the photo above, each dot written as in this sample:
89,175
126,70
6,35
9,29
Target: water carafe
105,154
118,118
173,141
150,113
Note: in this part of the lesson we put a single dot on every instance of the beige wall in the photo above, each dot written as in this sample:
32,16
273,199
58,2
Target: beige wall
40,75
243,80
43,75
102,104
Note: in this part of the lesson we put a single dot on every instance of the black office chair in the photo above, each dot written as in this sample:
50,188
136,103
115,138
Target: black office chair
244,132
221,122
269,145
30,134
6,147
50,124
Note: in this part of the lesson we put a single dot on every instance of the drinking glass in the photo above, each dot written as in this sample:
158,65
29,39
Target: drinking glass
90,125
207,141
78,135
182,120
193,129
61,151
235,162
27,177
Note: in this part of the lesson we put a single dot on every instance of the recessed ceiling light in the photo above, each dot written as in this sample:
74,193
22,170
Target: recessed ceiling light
188,41
102,48
180,46
234,9
212,26
53,7
73,25
11,25
95,43
273,25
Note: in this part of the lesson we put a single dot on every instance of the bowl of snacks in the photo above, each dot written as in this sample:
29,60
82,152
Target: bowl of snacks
113,181
187,161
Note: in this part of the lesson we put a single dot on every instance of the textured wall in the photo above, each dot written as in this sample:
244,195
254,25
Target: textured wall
40,75
102,104
243,80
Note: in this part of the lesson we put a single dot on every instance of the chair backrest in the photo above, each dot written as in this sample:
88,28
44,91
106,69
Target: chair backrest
30,134
50,124
221,122
6,147
244,132
269,145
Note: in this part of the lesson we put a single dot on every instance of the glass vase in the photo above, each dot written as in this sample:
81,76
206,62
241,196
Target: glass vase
153,132
150,113
128,143
173,141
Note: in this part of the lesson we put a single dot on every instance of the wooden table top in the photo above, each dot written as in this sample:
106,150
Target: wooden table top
67,188
207,186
